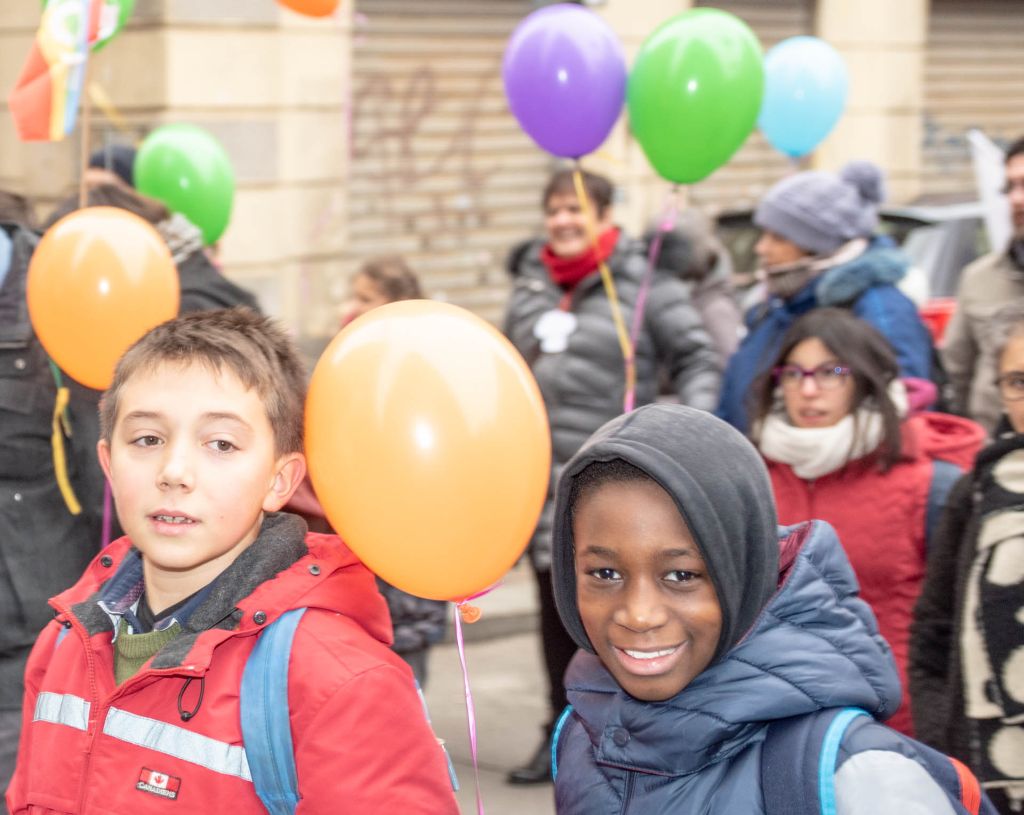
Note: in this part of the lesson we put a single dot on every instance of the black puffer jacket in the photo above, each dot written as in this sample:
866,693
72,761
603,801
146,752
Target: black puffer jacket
43,547
583,386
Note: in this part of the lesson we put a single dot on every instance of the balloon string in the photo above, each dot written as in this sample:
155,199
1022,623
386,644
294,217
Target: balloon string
470,711
60,468
609,288
98,96
108,511
62,422
669,215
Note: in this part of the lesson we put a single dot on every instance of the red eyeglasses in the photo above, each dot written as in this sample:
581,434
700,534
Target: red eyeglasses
826,376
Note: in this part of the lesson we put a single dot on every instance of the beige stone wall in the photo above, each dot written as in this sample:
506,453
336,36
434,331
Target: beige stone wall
883,43
269,84
275,88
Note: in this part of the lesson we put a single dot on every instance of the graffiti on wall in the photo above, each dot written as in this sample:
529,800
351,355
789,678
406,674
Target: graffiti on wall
400,118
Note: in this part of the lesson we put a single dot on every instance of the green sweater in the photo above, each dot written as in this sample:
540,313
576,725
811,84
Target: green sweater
132,651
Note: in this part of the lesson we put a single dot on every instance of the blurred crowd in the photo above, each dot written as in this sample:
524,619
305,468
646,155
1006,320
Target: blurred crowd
907,443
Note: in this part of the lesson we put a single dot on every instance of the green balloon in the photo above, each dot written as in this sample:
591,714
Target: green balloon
123,10
187,169
695,92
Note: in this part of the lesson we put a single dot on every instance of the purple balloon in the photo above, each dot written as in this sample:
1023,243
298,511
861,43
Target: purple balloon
565,78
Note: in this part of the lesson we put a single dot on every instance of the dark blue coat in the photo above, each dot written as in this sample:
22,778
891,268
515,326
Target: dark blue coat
814,646
865,285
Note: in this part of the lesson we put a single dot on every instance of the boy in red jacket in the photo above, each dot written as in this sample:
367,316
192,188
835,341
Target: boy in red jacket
132,693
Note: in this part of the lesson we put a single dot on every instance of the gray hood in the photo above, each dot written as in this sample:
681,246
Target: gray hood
722,490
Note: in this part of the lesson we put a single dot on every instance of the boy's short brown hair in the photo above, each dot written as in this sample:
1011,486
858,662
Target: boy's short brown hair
254,348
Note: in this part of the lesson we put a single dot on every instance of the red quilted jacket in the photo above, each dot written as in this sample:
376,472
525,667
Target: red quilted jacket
880,518
361,740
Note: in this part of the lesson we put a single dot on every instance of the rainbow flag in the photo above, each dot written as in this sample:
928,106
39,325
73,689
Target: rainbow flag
44,101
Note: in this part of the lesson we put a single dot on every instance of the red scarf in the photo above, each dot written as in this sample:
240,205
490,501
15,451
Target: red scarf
567,272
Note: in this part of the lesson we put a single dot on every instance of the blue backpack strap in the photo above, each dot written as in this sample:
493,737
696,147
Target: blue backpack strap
452,777
829,754
798,760
956,780
944,476
266,728
562,719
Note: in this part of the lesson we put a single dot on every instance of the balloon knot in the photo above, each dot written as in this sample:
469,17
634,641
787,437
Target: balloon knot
469,614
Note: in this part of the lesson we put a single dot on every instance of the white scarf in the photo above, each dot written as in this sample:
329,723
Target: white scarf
816,451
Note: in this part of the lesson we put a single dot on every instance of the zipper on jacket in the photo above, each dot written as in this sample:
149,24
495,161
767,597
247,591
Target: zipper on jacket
627,793
101,713
93,723
97,711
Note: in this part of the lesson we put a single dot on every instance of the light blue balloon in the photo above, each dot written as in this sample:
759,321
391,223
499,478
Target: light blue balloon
805,85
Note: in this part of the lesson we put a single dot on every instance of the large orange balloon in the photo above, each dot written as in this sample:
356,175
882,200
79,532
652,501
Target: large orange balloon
311,8
98,280
428,446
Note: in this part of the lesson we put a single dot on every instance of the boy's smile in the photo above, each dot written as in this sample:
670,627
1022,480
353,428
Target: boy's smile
192,466
644,594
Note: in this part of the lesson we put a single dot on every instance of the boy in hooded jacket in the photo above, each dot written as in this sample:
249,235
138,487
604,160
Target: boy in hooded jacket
701,624
132,692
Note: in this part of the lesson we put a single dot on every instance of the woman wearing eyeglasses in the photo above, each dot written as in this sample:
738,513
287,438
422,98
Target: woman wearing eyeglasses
967,648
832,422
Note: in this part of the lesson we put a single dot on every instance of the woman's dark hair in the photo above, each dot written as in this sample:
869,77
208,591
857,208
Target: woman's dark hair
107,194
16,209
599,189
393,277
857,345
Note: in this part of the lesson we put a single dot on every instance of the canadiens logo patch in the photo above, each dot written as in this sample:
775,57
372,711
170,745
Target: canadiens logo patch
157,783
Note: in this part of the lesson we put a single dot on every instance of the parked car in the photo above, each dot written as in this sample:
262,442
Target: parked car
939,238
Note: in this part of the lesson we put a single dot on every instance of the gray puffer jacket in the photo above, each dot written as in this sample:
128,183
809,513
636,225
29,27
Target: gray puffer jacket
583,386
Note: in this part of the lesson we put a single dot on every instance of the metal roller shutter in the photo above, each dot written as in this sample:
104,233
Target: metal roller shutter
974,78
440,172
756,165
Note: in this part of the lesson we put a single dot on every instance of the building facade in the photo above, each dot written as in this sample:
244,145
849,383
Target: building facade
384,129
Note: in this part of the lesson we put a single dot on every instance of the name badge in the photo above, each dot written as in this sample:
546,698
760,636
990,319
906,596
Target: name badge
553,329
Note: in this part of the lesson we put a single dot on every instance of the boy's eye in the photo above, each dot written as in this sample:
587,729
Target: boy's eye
681,576
146,441
605,574
222,446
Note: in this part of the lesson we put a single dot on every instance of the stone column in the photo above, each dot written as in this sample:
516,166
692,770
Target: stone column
883,44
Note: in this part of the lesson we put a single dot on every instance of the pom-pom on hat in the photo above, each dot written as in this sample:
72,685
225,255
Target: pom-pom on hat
819,211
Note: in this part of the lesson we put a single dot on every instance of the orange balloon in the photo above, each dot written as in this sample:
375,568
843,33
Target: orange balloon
311,8
428,446
99,279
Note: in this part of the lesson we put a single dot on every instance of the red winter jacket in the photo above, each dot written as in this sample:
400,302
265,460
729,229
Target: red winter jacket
361,742
880,518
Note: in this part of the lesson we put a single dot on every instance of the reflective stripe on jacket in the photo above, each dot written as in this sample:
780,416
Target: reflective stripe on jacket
173,730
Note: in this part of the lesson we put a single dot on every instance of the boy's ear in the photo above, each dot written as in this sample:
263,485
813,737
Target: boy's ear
289,470
103,453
